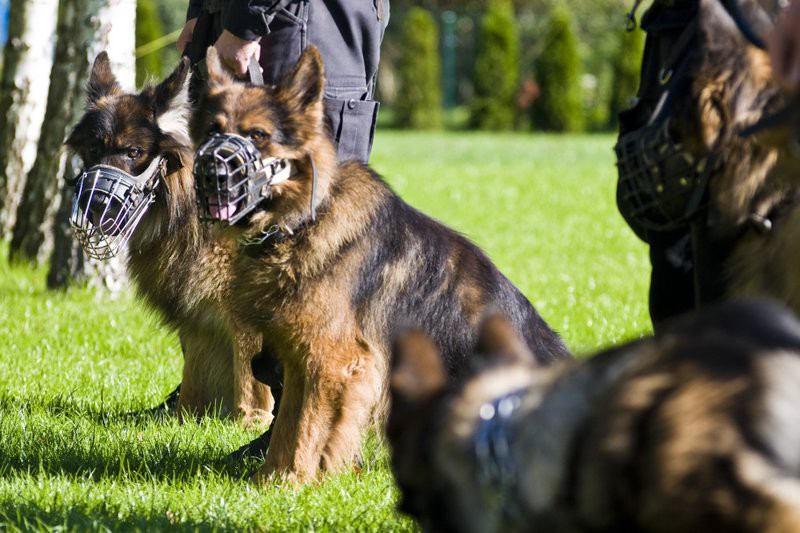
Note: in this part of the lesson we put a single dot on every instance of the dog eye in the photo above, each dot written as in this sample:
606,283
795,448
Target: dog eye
257,135
134,153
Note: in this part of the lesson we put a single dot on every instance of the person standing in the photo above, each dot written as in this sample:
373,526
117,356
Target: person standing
348,34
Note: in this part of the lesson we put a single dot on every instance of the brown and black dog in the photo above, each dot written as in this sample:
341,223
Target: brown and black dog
695,429
178,269
329,290
737,112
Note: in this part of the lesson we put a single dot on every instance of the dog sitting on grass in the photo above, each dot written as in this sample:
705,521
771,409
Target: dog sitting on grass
178,269
331,262
695,429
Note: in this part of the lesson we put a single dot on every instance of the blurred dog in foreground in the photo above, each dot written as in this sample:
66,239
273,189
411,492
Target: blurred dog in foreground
138,185
695,429
331,262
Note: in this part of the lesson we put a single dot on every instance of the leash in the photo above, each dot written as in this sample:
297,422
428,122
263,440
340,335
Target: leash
630,16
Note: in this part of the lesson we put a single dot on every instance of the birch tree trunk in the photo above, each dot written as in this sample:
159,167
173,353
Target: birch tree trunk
27,59
114,31
85,27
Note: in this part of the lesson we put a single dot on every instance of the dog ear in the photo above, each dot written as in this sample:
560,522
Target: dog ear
303,87
172,149
719,33
217,76
417,370
717,28
172,109
102,81
498,340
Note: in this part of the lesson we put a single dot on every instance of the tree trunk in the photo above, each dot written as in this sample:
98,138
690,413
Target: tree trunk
28,56
35,211
68,262
84,29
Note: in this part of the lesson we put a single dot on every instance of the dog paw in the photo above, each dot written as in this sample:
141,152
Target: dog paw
269,476
255,418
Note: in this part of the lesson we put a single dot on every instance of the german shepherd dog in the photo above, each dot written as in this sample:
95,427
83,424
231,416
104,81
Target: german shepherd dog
738,113
695,429
350,263
176,266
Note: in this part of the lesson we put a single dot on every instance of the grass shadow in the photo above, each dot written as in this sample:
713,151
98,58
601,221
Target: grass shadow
64,435
33,516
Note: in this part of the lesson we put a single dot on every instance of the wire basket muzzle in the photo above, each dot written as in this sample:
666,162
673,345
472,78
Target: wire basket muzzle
661,185
229,177
108,204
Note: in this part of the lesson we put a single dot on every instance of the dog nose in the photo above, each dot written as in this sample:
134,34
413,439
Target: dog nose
104,212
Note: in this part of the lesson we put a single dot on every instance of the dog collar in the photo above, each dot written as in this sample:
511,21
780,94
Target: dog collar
255,246
497,470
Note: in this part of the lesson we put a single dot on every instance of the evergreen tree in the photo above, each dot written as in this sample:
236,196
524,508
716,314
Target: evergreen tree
626,68
558,107
496,69
419,97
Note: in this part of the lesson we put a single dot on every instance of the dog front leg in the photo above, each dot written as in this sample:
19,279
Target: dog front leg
283,442
362,388
207,379
251,399
340,389
190,401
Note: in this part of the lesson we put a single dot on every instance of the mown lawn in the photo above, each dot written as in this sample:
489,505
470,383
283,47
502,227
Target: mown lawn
72,365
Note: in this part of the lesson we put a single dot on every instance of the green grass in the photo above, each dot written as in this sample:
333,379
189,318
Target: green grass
543,208
74,364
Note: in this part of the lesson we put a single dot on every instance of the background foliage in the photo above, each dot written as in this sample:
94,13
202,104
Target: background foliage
626,67
419,99
149,26
598,26
155,20
558,107
496,69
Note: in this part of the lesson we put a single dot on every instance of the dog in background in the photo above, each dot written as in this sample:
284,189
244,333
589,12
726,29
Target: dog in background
695,429
178,269
739,114
332,263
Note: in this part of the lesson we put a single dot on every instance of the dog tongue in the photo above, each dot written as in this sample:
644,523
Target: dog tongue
220,210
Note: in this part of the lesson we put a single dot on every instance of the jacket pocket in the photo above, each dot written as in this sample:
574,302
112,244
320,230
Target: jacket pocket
287,38
352,124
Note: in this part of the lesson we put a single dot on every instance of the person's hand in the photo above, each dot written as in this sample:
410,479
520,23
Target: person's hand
186,35
236,53
784,45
